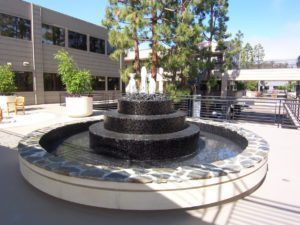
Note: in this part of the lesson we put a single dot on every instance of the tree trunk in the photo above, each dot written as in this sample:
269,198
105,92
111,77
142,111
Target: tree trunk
154,42
136,65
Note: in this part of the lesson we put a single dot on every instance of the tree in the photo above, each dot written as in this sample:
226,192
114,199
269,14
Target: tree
258,54
212,14
233,52
77,81
7,80
124,19
180,36
247,57
166,25
251,85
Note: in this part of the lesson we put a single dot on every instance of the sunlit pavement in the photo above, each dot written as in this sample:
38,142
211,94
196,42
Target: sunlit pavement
277,201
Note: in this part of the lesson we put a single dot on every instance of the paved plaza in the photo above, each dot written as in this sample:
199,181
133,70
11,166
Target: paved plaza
277,201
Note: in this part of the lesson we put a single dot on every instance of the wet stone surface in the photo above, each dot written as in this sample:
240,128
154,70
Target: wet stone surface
144,124
152,107
255,151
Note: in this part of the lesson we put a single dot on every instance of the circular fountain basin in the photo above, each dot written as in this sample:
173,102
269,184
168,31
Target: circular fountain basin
196,181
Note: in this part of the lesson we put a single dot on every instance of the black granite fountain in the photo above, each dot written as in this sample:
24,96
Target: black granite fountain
145,127
144,156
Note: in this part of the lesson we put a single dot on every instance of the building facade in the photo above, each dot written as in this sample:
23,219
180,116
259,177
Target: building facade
30,35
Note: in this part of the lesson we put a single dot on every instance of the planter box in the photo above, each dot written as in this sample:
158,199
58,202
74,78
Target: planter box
79,106
4,99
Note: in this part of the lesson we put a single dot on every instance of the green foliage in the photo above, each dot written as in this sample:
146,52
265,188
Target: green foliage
7,80
77,81
247,57
125,74
176,90
212,16
291,86
252,57
212,82
233,52
168,26
259,54
251,85
240,85
173,29
281,87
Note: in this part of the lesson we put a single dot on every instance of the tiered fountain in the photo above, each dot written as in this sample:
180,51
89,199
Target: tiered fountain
144,156
145,127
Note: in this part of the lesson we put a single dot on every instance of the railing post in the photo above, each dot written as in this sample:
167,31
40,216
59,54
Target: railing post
280,120
298,110
196,106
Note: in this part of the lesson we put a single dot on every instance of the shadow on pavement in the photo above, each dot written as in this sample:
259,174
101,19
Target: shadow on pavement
20,203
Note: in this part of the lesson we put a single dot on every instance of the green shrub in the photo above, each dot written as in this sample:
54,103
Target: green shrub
175,91
7,80
77,81
251,85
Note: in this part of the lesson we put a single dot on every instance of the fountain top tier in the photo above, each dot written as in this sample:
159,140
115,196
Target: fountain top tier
145,97
144,104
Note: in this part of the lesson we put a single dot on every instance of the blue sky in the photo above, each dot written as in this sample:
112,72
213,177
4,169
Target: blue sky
273,23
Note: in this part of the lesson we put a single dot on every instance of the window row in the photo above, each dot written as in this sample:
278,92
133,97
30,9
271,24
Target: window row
56,36
16,27
52,82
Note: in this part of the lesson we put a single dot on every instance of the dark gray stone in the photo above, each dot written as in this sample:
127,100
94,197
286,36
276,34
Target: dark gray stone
94,172
137,107
144,147
144,124
117,176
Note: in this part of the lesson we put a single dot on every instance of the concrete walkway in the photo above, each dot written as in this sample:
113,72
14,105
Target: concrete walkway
277,201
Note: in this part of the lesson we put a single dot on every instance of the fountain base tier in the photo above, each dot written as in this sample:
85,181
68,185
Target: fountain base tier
146,146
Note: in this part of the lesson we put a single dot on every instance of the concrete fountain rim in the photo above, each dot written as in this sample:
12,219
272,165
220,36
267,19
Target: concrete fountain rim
255,154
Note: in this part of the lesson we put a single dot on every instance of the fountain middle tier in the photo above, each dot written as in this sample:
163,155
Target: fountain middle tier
145,124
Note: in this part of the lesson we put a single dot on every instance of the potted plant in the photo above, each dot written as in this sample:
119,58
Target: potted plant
79,102
7,86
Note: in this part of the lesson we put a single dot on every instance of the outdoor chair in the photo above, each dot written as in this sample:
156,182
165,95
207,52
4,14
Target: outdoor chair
1,115
20,104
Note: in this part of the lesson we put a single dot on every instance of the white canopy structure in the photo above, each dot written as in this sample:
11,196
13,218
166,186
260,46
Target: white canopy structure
289,74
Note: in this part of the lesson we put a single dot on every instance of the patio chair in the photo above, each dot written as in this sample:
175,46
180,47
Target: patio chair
20,104
1,115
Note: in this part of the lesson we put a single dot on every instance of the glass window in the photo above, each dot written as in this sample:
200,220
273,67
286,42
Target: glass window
98,83
110,49
52,82
97,45
77,40
53,35
24,81
11,26
113,83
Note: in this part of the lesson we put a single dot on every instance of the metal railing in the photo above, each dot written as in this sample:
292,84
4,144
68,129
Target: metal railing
263,110
291,110
278,111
